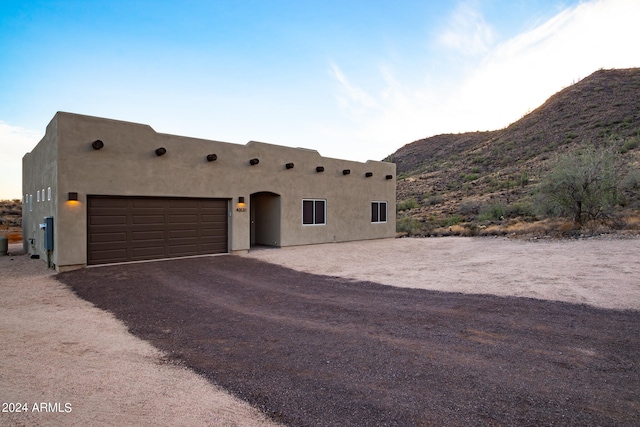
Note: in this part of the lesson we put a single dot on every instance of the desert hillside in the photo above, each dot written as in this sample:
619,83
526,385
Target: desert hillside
488,182
11,220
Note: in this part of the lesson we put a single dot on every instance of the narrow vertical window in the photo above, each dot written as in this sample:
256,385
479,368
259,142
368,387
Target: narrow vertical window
307,212
383,211
319,212
49,194
378,212
30,202
314,212
37,196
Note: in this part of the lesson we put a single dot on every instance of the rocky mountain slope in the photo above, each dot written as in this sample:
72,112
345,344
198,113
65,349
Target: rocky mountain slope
452,179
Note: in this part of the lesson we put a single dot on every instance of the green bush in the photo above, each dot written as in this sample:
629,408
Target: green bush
408,224
629,144
434,199
449,221
631,181
469,207
582,185
469,177
406,205
520,209
492,212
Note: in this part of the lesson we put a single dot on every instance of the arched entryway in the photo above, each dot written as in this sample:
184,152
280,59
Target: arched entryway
265,219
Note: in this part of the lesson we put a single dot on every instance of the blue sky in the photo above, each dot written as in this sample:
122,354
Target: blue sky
352,79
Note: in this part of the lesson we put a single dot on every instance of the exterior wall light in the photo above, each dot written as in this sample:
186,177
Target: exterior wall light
346,171
72,196
289,165
368,174
161,151
97,144
389,176
212,157
320,169
241,206
254,162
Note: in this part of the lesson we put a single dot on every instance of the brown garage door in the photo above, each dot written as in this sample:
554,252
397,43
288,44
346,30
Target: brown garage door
140,228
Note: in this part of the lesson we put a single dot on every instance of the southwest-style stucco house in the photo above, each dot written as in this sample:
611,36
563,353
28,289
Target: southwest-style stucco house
99,191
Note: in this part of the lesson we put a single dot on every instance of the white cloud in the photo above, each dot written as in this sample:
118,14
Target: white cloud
511,78
467,31
521,73
15,142
350,96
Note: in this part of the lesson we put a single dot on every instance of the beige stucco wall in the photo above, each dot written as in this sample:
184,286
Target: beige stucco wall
128,166
39,174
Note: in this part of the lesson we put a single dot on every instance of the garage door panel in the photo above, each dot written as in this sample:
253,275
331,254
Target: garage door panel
108,203
150,228
175,235
138,254
213,218
183,219
214,239
214,247
109,255
108,220
184,241
147,235
208,232
183,249
108,237
147,219
147,203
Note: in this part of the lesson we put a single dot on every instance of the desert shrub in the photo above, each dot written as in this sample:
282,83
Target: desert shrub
492,212
451,220
407,204
408,224
521,208
434,199
582,186
631,181
469,177
469,207
630,144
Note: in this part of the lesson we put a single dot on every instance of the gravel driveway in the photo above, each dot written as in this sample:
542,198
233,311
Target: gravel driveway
312,350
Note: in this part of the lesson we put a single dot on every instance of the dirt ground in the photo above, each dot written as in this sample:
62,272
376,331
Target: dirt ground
309,350
58,349
603,272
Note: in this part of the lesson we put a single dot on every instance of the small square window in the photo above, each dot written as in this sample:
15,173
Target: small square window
378,212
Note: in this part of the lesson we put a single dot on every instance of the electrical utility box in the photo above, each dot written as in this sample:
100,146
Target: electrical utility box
48,233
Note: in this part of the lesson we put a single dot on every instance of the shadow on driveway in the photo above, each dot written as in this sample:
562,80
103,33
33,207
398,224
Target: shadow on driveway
314,350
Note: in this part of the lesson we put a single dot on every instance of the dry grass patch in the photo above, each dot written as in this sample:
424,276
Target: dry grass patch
632,221
13,234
